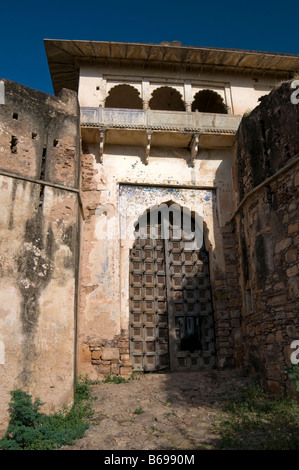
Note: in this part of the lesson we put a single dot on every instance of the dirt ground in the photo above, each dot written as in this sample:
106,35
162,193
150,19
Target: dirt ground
169,411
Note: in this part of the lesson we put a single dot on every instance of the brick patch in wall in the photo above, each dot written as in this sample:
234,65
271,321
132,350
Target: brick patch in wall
112,357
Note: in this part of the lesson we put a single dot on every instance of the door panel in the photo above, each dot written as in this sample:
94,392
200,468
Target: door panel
189,306
171,318
148,306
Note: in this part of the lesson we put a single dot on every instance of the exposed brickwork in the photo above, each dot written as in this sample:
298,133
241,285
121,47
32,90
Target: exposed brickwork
267,139
111,356
40,134
226,304
267,227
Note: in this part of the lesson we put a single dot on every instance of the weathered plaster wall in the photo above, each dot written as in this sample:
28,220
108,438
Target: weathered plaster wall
266,176
110,206
39,244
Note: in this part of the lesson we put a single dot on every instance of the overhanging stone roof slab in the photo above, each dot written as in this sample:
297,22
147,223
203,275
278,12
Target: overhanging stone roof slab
64,57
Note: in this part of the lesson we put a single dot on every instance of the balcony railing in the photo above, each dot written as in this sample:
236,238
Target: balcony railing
164,120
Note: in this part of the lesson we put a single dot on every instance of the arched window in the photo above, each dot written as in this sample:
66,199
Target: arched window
208,101
167,98
123,96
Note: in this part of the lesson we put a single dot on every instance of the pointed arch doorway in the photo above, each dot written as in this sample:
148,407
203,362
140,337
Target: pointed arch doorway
171,318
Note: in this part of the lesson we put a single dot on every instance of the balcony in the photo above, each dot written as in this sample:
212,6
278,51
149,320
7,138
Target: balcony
151,128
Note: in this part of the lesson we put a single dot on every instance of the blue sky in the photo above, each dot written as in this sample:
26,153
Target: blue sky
254,25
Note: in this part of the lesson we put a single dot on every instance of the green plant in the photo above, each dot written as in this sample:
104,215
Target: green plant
136,375
139,411
293,374
29,429
117,379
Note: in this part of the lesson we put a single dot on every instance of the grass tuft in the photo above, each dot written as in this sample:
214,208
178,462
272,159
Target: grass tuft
256,422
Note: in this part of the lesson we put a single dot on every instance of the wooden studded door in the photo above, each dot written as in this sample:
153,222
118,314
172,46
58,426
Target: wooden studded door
148,306
171,319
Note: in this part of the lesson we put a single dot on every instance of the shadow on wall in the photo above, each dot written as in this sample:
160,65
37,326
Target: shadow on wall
255,294
267,234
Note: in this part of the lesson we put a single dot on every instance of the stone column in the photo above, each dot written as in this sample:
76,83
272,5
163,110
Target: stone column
188,96
228,99
145,93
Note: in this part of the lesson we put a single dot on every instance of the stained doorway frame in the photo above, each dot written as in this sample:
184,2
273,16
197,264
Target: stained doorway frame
133,202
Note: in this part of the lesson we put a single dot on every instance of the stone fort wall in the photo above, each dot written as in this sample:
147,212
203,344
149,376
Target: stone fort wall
266,176
39,224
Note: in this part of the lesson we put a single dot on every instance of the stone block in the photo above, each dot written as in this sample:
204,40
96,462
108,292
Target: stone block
95,355
234,303
220,305
125,357
291,256
235,313
223,324
222,333
104,369
110,354
278,336
293,271
292,331
278,300
293,228
114,368
283,245
124,350
270,338
292,207
293,288
86,354
125,370
280,314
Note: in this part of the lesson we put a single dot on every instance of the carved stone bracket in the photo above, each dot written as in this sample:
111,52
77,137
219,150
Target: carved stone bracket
148,146
194,147
102,142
